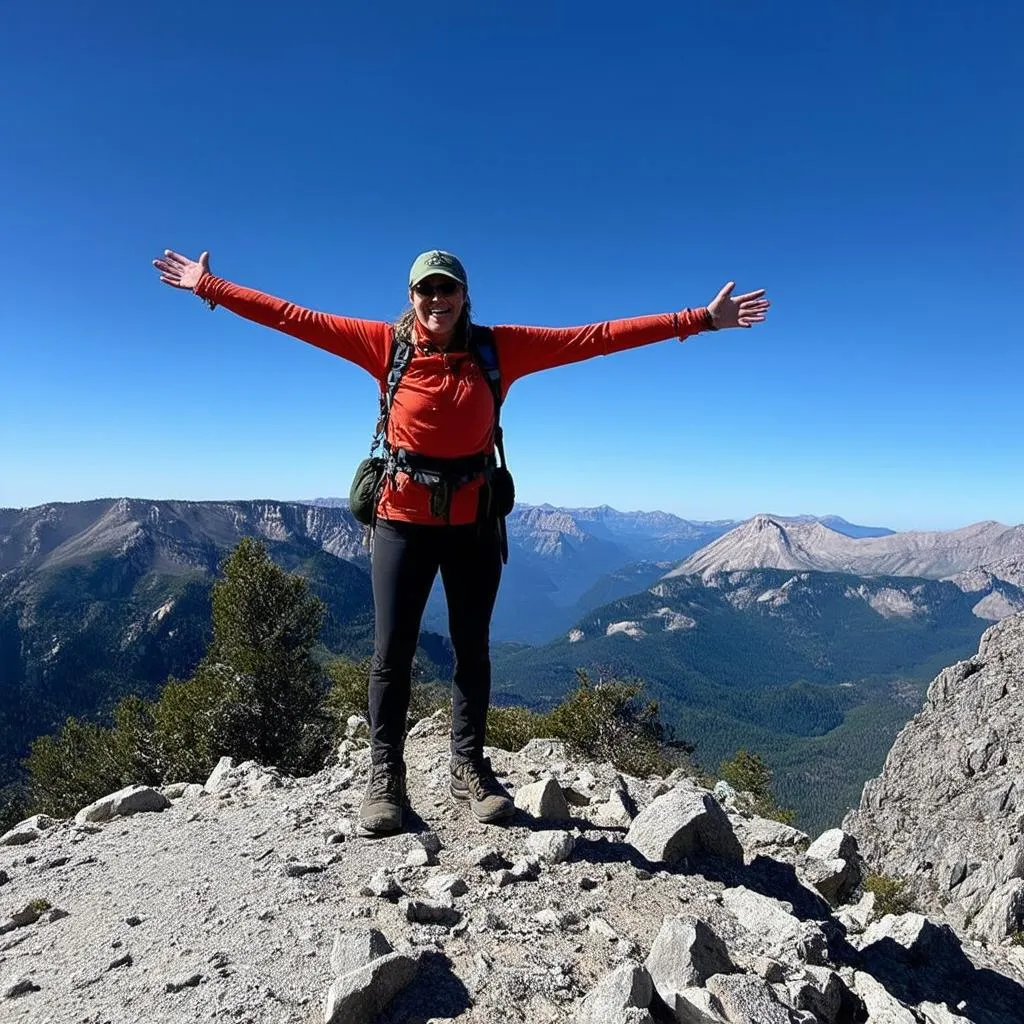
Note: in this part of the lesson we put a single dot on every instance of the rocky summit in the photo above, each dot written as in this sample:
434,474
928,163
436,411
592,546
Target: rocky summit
947,812
606,900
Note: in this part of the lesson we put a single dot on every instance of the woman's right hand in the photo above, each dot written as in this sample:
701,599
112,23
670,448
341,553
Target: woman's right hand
181,272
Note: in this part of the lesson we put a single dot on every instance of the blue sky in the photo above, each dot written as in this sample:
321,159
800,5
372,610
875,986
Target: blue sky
587,161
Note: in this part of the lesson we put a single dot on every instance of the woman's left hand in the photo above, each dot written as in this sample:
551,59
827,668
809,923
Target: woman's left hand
728,310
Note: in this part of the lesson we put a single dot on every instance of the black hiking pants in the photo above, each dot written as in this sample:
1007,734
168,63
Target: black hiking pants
405,561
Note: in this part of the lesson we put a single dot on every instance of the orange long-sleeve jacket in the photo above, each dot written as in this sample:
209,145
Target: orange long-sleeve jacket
444,407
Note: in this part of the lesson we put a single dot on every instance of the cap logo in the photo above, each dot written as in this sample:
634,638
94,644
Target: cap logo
439,259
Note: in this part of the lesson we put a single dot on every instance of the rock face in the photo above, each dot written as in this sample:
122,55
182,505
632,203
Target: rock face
252,898
945,814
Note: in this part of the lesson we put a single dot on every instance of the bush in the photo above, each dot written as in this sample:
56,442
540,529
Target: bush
348,690
511,728
891,896
349,695
85,761
602,721
748,773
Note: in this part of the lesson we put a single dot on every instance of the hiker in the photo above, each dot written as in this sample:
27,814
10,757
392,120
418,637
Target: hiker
437,499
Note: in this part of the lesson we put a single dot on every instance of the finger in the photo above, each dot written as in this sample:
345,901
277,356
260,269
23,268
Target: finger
749,295
175,257
175,281
725,292
163,265
204,261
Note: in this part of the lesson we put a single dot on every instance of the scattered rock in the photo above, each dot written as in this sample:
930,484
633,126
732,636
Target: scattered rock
382,884
681,823
27,831
356,948
486,858
746,999
628,986
544,750
785,936
820,991
543,800
882,1008
358,996
125,802
220,778
448,885
554,846
832,865
685,954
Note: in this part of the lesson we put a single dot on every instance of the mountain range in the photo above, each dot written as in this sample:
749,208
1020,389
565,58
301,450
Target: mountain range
111,596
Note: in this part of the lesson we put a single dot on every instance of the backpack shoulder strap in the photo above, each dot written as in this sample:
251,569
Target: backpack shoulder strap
401,357
486,354
485,351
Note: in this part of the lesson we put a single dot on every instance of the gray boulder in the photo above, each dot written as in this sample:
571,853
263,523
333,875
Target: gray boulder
819,991
916,939
882,1008
832,865
359,996
552,846
27,831
627,987
127,801
357,948
544,800
747,999
785,936
1002,915
684,955
681,823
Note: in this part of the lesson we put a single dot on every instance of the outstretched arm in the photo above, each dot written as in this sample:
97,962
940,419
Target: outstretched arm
524,350
364,342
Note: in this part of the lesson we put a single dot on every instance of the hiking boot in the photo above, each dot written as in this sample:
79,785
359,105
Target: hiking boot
384,802
474,781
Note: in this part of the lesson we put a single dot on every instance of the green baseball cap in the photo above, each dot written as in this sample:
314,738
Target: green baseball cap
435,261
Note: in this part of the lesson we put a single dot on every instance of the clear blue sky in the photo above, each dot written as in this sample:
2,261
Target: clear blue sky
587,161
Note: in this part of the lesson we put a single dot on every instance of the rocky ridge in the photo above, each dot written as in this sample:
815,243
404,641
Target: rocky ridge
947,812
607,899
766,542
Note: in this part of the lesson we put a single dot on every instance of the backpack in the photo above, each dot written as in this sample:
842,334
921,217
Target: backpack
442,476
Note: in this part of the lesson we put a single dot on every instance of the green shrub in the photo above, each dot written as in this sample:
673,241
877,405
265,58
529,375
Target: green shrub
40,906
1017,937
891,896
85,761
603,721
348,690
511,728
748,773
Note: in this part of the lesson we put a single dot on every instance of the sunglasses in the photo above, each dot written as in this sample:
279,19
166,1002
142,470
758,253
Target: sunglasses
428,291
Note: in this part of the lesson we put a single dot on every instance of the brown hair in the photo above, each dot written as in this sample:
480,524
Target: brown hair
461,332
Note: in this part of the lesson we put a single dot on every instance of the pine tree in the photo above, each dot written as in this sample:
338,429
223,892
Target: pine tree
260,667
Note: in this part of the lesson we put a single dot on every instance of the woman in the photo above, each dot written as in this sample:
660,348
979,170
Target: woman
443,412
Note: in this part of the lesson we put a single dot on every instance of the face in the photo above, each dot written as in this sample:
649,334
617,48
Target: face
438,301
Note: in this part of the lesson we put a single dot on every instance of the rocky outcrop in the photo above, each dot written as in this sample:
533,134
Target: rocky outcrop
252,898
946,813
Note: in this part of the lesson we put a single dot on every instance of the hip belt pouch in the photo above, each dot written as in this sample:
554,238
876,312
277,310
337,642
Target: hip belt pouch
365,489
